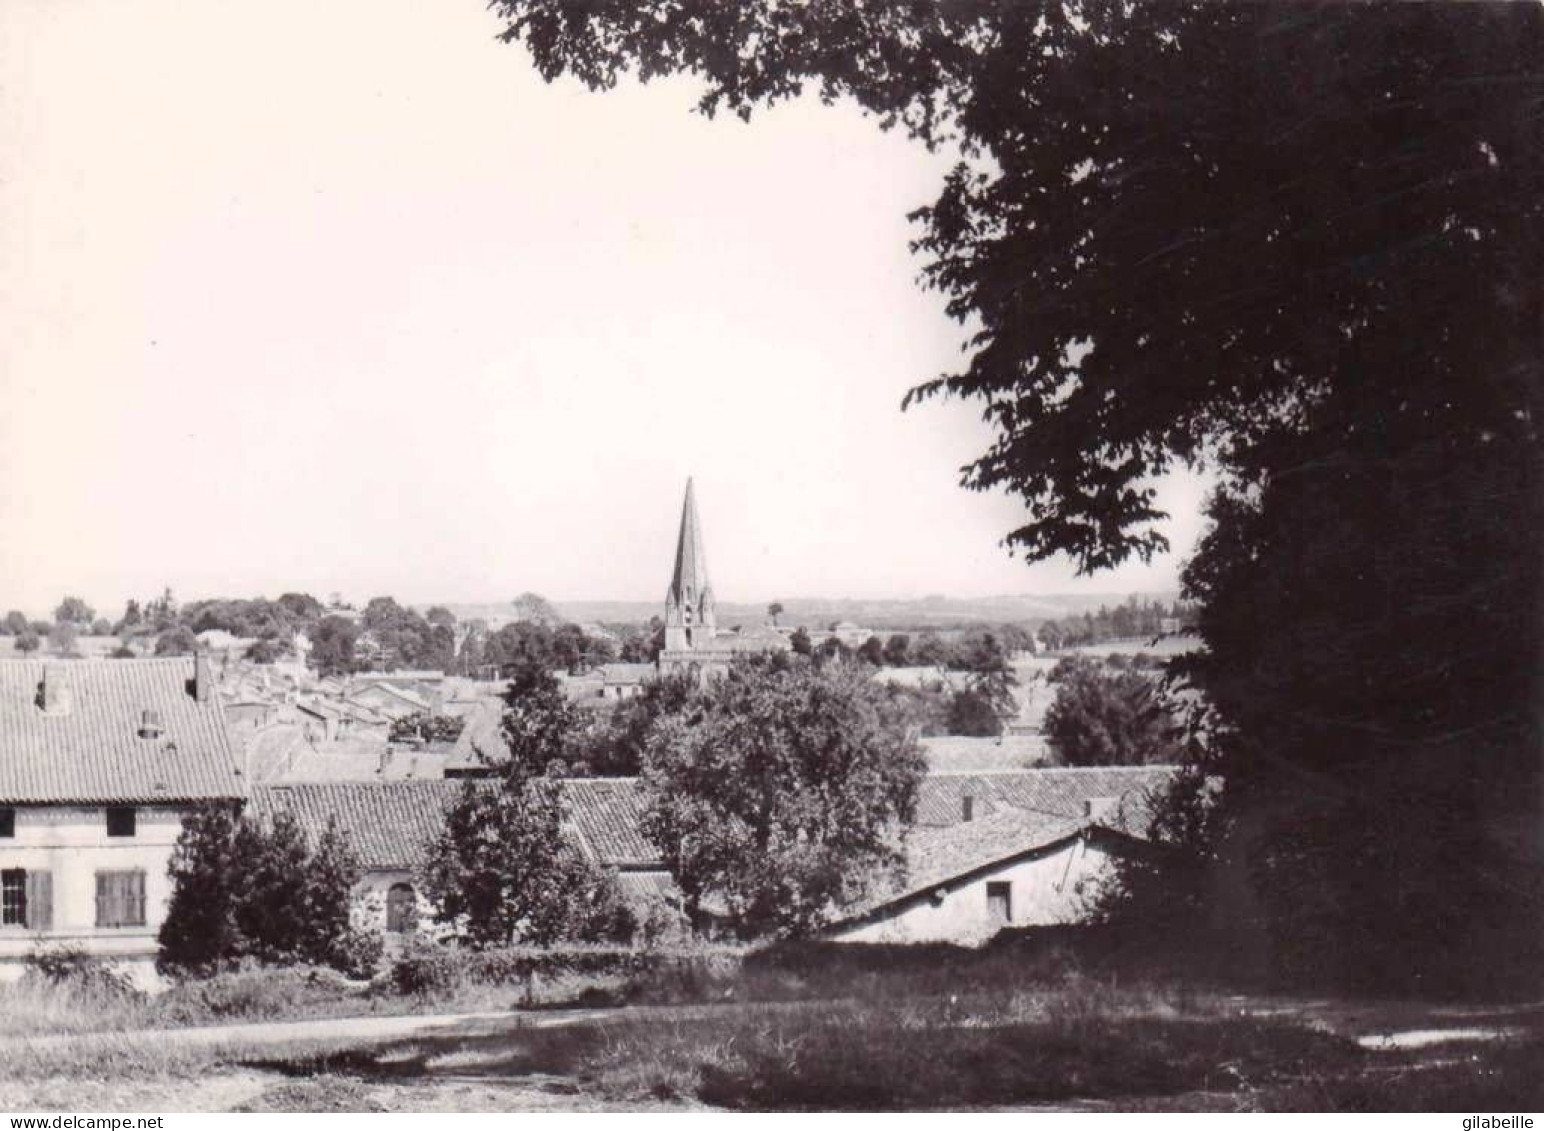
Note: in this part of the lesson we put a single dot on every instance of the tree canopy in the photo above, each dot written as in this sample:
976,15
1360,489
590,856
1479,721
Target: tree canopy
1103,717
779,792
73,610
503,869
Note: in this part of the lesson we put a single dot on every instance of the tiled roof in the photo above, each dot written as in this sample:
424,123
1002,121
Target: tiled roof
391,690
934,855
321,708
607,813
390,823
754,640
1056,792
94,753
423,675
358,762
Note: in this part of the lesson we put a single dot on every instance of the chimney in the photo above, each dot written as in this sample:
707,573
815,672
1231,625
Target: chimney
203,678
967,808
1101,808
54,694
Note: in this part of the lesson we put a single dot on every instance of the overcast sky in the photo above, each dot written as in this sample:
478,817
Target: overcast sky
342,297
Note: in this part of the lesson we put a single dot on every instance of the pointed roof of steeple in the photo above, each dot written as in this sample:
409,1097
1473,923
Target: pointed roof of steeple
691,564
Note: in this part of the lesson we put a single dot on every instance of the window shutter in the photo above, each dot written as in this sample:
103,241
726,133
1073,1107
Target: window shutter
40,901
103,900
137,879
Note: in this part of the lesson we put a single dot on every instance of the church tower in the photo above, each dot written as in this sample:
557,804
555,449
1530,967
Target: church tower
690,620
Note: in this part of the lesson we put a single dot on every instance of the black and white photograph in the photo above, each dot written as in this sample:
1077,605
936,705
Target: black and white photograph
636,557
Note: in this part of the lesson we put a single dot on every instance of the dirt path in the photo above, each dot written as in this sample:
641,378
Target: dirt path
1405,1025
1373,1025
340,1029
364,1030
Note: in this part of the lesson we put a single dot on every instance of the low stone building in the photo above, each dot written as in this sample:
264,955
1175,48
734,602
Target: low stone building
966,882
99,762
391,824
1006,848
1009,849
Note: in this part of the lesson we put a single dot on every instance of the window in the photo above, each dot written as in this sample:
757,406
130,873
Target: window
7,823
13,897
120,821
401,909
120,899
27,899
999,902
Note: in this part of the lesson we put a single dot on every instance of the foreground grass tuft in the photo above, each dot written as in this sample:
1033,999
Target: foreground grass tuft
949,1053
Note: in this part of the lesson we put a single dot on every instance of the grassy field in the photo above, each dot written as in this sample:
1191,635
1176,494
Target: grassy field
937,1031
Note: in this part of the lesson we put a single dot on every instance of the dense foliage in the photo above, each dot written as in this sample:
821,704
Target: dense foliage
242,889
503,871
1103,716
778,792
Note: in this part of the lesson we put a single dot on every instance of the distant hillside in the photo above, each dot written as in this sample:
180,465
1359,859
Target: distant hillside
933,611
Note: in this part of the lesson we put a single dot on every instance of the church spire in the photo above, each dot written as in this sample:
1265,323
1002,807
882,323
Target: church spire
689,612
691,564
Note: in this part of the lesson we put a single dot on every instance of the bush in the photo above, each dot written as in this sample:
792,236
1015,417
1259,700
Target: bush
72,967
252,993
430,969
359,953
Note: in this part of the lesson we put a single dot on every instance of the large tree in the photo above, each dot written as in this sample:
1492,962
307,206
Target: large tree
333,643
504,871
1107,717
1299,244
780,791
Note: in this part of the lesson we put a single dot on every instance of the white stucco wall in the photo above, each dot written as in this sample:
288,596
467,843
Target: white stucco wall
369,910
1049,889
72,844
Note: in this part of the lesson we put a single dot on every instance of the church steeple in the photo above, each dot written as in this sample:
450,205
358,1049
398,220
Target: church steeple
690,621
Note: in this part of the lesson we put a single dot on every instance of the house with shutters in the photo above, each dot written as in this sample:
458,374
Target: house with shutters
99,761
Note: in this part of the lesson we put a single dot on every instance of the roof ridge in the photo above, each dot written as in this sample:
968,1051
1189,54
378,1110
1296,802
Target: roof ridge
1016,770
98,661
